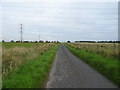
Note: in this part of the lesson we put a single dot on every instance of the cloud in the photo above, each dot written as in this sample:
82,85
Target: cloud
61,21
60,0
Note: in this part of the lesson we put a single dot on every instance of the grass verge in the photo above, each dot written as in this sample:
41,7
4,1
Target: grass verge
108,67
16,53
31,74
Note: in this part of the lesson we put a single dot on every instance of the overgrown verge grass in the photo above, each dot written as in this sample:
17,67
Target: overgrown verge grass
16,53
108,67
33,73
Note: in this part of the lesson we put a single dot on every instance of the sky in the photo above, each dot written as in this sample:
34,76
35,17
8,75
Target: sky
62,21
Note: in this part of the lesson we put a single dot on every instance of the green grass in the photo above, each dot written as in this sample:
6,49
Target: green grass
33,73
13,54
108,67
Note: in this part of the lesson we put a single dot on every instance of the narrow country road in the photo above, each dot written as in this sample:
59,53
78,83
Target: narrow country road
70,72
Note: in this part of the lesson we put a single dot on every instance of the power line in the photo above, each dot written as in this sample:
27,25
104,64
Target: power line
21,33
39,37
3,36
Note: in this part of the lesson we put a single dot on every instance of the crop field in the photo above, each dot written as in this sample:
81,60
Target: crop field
104,57
104,49
20,59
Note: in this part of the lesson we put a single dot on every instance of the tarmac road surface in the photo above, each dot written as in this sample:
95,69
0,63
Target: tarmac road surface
70,72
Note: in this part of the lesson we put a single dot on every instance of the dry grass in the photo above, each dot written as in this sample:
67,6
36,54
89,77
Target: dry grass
104,49
14,56
32,73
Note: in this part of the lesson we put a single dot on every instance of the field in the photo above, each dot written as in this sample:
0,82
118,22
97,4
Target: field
26,65
104,57
104,49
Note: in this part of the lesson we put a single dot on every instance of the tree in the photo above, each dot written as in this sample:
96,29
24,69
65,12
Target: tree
68,41
3,40
12,41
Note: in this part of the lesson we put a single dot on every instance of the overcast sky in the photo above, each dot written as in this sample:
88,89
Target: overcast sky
59,20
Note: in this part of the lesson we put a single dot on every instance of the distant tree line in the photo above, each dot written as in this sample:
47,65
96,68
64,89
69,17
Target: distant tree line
87,41
67,41
33,41
99,41
108,42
